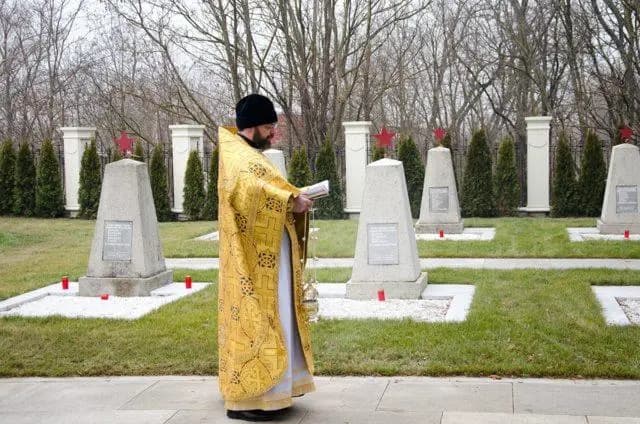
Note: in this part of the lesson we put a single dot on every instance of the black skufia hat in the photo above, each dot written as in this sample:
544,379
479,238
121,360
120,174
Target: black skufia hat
254,110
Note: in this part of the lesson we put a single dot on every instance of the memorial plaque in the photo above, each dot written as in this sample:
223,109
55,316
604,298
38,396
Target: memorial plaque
116,244
439,199
382,244
626,199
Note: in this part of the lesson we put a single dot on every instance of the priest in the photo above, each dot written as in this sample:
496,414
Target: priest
265,356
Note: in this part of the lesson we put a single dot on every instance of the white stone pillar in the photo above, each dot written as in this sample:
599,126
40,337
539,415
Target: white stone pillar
76,140
356,137
276,157
184,140
537,165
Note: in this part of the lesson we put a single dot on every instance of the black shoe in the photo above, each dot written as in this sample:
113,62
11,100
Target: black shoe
253,415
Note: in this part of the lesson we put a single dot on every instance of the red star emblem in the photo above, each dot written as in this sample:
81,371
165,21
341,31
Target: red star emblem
384,137
439,134
124,142
626,133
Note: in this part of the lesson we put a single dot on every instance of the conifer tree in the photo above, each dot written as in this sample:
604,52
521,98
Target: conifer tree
299,171
90,182
409,155
7,177
329,207
24,195
194,194
211,203
115,154
593,176
477,186
159,185
138,151
564,195
49,196
377,153
507,188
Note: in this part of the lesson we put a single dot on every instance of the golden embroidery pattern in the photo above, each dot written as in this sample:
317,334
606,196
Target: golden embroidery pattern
267,260
258,169
246,285
274,205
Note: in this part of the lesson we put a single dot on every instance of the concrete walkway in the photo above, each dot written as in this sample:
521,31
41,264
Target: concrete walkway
430,263
356,400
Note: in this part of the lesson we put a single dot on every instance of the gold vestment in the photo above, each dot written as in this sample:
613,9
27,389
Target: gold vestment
255,205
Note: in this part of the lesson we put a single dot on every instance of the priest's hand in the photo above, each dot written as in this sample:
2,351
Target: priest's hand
302,204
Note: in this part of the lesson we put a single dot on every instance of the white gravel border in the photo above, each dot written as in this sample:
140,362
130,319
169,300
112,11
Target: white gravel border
578,234
438,303
631,308
53,301
468,234
614,313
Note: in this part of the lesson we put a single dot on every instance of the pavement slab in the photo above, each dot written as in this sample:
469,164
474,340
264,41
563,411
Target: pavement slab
353,400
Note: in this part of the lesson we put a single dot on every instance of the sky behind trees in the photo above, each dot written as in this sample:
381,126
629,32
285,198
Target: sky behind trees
413,65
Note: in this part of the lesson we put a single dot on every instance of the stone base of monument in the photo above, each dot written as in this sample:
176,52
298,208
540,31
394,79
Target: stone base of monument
72,213
124,287
365,290
451,228
617,228
534,212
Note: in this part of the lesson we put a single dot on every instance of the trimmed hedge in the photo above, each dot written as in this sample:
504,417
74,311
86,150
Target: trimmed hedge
409,155
49,195
507,188
564,192
159,184
299,171
138,151
7,177
477,187
24,194
90,182
211,202
194,194
593,176
330,207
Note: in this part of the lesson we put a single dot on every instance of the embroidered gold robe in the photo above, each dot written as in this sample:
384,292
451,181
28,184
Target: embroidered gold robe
255,207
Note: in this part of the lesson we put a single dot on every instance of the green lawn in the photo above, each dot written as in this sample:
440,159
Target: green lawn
522,323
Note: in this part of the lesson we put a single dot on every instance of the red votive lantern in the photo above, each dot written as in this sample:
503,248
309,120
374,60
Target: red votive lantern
441,233
626,234
104,296
381,295
65,282
187,281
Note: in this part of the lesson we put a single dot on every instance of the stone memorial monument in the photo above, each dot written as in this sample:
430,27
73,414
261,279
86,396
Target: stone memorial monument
126,255
620,205
386,252
277,159
440,209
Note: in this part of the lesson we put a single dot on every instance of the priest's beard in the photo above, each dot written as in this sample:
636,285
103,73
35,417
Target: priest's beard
260,142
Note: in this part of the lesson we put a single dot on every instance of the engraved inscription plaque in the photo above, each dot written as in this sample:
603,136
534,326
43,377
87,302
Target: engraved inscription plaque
439,199
382,244
116,241
626,199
